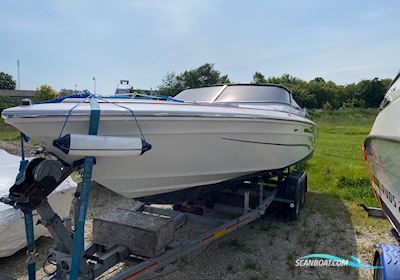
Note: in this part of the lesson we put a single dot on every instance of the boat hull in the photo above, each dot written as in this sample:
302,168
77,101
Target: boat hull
186,151
383,157
382,152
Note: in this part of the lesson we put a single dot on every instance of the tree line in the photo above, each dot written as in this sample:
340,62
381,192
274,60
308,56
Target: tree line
43,92
313,94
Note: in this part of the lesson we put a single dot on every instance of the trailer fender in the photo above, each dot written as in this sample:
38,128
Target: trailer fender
295,191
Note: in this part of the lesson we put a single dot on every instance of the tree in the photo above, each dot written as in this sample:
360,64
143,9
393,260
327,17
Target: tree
4,99
298,87
286,80
202,76
170,86
45,92
65,92
258,78
319,79
327,106
316,93
372,91
324,92
6,81
5,102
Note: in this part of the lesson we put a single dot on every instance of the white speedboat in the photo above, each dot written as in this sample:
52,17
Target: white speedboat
382,154
204,136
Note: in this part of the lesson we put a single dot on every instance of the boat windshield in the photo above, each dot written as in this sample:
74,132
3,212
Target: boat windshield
392,94
203,94
254,94
237,94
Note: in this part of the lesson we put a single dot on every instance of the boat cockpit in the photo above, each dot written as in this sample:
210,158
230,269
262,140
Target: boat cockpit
244,95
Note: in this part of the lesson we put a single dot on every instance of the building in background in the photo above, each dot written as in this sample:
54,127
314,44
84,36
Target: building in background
17,95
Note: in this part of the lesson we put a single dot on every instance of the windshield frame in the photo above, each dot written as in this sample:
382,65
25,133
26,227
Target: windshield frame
209,99
255,101
394,80
224,86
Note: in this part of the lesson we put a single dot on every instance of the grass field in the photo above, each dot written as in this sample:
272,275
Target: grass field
337,167
7,132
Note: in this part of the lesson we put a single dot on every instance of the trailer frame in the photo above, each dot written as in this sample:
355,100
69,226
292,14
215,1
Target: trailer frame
287,187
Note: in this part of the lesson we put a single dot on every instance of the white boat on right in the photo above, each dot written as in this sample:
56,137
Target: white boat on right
382,154
382,157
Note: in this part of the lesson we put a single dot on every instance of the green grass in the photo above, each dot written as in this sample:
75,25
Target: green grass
7,132
250,264
359,117
337,168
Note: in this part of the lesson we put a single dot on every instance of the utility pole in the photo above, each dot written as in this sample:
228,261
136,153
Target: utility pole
94,85
19,82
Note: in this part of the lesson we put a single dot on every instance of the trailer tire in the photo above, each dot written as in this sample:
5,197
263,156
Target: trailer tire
294,212
378,275
388,257
303,192
293,208
296,188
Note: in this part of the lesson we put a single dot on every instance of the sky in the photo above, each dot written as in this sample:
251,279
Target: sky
63,43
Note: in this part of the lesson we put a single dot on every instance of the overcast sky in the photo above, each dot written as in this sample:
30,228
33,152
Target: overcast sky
61,43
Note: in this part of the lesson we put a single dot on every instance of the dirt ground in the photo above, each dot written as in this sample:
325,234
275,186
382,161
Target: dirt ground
265,249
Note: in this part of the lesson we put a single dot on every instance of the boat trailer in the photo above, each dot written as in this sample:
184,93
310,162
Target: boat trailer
39,177
247,202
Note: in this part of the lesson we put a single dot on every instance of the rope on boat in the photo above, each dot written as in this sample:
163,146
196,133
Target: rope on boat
88,95
83,94
132,112
70,112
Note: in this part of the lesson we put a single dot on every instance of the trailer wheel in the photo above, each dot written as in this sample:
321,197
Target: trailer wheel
387,259
296,192
293,208
303,190
378,275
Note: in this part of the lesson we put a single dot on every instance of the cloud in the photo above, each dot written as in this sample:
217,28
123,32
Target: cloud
351,68
174,18
371,14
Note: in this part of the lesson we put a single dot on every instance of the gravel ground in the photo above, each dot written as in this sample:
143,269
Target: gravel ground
265,249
